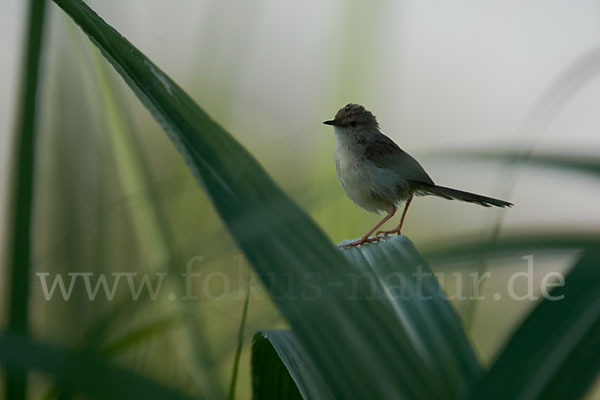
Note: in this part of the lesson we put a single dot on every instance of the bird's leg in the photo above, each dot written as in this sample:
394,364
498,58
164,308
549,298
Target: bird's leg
399,227
366,238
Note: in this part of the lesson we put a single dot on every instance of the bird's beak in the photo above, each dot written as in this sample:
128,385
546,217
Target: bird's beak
331,122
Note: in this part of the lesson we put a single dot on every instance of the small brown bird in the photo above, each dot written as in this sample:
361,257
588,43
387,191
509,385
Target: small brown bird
377,174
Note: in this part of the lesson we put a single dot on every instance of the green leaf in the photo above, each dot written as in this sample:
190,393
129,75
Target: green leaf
21,206
555,352
238,350
582,164
430,324
357,343
81,372
94,347
510,243
281,370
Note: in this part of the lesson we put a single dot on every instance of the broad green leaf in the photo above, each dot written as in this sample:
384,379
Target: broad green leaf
81,372
356,343
555,352
430,325
428,319
281,370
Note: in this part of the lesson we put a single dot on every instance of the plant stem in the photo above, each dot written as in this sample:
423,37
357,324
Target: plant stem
19,248
238,352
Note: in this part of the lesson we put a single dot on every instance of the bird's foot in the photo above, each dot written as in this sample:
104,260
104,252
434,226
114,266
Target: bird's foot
361,241
386,233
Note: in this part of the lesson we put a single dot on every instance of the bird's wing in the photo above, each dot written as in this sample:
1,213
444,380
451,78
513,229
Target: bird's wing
384,153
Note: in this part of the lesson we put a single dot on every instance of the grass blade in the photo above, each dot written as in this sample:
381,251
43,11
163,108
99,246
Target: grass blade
557,347
81,372
20,246
580,164
238,351
149,218
472,247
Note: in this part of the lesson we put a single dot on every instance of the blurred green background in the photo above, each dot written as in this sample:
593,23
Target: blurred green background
113,195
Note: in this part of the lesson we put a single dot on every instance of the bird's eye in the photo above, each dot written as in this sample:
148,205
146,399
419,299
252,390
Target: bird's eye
353,124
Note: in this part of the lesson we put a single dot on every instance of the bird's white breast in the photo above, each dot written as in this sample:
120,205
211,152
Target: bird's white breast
370,187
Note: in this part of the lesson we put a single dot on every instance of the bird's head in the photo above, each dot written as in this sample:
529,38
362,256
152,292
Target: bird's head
354,118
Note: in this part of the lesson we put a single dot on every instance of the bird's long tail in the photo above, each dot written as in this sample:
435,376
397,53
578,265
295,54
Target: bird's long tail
453,194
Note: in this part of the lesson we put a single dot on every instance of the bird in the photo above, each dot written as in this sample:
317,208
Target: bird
378,175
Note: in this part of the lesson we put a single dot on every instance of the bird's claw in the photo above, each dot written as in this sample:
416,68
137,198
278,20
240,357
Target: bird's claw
361,241
386,233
